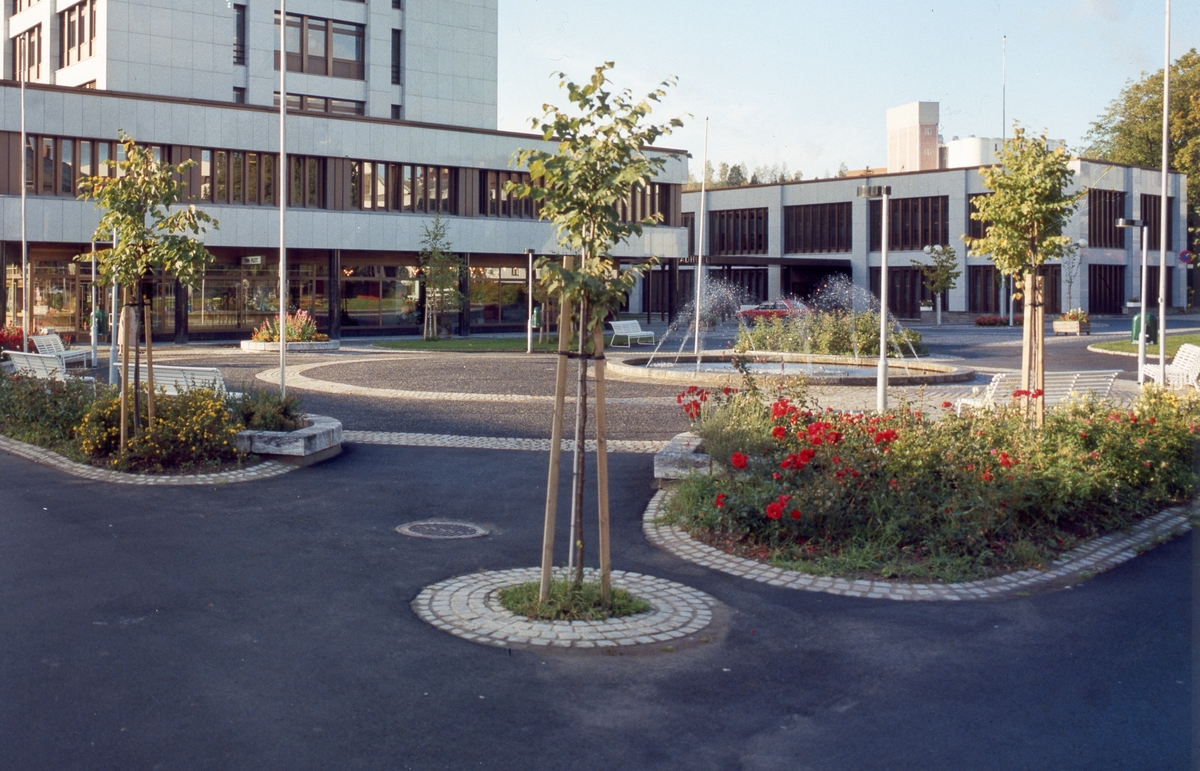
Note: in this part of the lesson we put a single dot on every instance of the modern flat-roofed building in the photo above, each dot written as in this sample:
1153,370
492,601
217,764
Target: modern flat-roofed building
788,239
392,120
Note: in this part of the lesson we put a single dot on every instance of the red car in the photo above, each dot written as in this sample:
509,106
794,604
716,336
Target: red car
771,309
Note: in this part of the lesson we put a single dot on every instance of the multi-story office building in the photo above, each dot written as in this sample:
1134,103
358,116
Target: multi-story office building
392,120
787,239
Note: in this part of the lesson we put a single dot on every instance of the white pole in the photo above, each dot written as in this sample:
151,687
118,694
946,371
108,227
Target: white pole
25,289
529,303
112,328
881,377
703,225
283,193
95,333
1162,220
1142,309
1004,138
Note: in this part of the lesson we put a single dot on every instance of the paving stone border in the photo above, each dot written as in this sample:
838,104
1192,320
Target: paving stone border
469,607
264,470
1093,557
401,439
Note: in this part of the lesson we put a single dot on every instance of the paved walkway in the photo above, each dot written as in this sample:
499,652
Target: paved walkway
268,624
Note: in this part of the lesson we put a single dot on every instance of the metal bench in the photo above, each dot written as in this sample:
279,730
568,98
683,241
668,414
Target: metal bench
632,332
175,379
43,367
1183,370
52,345
1058,388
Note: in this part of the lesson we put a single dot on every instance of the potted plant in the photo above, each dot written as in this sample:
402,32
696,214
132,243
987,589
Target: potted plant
1073,322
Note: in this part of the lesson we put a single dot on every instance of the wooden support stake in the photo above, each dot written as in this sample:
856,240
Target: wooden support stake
149,373
1039,349
602,472
1026,341
126,313
556,431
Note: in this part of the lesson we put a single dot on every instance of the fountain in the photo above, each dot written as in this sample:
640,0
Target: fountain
834,317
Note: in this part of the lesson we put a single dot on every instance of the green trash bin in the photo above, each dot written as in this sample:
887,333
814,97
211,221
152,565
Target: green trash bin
536,321
1151,328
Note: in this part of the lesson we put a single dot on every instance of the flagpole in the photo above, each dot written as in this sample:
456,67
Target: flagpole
283,193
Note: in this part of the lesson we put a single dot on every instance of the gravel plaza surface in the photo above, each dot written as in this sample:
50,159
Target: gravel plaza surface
267,623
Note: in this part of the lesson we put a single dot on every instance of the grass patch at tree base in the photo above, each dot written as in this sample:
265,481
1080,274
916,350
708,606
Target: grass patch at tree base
569,602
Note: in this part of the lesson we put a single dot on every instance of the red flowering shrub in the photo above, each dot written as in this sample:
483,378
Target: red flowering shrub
957,498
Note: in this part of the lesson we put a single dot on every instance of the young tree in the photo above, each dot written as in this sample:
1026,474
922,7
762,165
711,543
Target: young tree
153,233
442,270
1130,130
940,276
601,159
1026,216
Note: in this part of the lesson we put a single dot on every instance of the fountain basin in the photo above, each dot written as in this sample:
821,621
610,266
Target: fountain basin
715,369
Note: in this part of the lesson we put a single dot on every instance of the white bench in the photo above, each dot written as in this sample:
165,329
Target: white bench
632,332
1058,387
52,345
1183,370
175,379
43,367
985,400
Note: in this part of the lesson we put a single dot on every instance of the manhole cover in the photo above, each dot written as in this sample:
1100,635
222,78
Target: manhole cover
441,530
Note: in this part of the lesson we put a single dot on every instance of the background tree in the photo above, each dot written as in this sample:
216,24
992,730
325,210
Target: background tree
442,271
941,275
1130,130
153,234
600,160
1025,219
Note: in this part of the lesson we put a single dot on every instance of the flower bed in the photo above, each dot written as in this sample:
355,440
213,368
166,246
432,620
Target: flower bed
300,329
998,321
900,495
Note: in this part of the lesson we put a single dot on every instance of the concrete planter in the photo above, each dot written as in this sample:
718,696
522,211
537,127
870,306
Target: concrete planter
319,440
1072,327
681,458
324,345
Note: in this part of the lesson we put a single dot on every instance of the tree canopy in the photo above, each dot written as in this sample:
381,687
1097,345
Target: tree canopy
1029,208
1130,130
138,207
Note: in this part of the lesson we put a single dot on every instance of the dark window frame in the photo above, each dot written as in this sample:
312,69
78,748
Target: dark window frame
822,228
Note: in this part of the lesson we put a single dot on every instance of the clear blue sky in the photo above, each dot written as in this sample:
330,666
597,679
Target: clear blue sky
808,83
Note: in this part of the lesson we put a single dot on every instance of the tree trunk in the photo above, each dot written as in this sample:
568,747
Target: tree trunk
580,455
938,300
602,472
556,432
149,372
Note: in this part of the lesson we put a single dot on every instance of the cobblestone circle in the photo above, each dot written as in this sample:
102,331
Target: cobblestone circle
1095,556
264,470
469,607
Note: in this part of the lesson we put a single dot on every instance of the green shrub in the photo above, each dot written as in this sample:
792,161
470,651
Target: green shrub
265,411
954,499
43,412
193,428
831,333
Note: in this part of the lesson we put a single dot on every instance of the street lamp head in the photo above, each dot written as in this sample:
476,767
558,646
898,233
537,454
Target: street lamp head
528,252
1128,223
928,250
874,191
1082,243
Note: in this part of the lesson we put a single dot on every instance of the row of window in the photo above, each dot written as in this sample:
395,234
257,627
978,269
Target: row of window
77,30
27,52
320,104
1105,207
403,187
54,165
913,223
323,46
817,228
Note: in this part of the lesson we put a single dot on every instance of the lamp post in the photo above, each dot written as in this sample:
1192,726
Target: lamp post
25,289
1140,225
529,302
1163,222
881,378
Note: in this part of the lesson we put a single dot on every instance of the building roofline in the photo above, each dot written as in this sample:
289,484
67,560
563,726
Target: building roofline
275,111
1096,161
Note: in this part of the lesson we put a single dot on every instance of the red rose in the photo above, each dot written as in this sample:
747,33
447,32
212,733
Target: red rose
720,502
774,510
738,460
795,514
779,432
946,405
